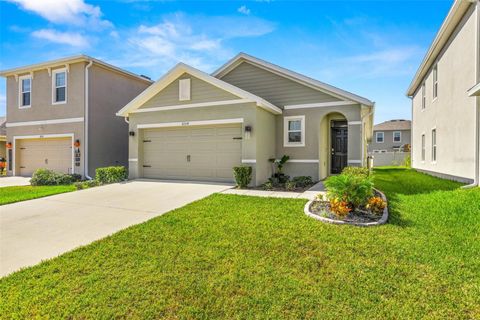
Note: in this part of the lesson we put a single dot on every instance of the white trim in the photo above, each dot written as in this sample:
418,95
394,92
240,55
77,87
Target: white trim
43,122
54,85
286,143
304,161
354,123
249,160
376,137
354,161
86,137
393,136
182,68
133,160
189,123
20,93
474,91
319,105
194,105
294,76
43,136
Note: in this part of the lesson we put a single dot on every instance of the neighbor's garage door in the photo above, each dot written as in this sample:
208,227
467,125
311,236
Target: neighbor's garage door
192,153
54,154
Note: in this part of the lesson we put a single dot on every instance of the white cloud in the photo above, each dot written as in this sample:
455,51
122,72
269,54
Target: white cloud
243,9
75,12
69,38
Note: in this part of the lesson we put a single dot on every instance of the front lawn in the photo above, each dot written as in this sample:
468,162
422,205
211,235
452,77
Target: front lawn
22,193
238,257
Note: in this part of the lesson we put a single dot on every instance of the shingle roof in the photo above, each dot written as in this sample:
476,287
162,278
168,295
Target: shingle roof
3,128
397,124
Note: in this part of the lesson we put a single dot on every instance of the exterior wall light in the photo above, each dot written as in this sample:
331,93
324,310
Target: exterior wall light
131,133
248,132
76,144
9,145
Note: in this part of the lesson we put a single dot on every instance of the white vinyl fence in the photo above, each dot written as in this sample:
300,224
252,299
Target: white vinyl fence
391,158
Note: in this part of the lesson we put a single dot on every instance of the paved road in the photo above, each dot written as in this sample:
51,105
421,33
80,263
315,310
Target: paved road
35,230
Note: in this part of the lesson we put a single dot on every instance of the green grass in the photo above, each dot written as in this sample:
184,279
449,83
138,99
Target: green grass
22,193
236,257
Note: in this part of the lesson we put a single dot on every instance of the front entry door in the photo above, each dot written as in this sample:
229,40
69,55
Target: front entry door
339,136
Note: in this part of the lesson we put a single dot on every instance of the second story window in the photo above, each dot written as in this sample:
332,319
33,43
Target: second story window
379,137
25,92
59,86
397,136
424,100
435,82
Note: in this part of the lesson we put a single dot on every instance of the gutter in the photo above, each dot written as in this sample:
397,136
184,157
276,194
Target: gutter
476,181
85,123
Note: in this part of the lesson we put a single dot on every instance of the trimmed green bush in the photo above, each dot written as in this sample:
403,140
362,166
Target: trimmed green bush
356,171
243,176
353,189
290,185
45,177
112,174
303,181
86,184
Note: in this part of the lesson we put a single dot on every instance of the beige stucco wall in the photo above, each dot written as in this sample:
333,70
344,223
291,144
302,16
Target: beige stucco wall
265,133
453,112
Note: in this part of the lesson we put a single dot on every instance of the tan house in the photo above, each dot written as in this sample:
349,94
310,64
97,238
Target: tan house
445,99
195,126
3,138
61,115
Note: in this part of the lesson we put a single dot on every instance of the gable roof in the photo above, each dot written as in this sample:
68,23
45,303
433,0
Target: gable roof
69,60
182,68
455,15
3,128
292,75
397,124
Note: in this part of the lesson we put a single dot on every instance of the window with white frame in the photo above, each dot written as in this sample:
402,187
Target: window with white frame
397,136
59,86
434,145
184,89
423,147
25,92
435,81
379,137
424,98
294,131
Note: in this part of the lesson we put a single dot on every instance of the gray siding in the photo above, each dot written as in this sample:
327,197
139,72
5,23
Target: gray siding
201,91
272,87
388,143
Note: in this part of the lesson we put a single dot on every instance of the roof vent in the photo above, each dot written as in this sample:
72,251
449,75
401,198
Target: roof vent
146,77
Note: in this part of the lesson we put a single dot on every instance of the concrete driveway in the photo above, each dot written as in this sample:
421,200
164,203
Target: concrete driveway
34,230
14,181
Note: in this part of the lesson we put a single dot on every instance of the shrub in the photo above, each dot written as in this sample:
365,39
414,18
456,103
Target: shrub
243,176
303,181
111,174
353,189
376,205
339,208
407,162
45,177
268,186
356,171
86,184
290,185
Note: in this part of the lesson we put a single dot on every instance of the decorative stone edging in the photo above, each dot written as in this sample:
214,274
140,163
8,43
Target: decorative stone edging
382,220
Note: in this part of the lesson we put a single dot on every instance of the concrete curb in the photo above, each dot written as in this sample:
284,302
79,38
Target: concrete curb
382,220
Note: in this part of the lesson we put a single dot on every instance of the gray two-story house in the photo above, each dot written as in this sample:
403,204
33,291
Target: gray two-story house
391,136
61,115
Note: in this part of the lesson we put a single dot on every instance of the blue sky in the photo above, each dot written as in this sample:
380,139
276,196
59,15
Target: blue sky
371,48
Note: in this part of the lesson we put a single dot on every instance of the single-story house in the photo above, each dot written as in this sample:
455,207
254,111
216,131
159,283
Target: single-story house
192,125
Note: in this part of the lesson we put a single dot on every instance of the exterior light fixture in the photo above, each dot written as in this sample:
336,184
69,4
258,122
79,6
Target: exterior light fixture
76,144
131,133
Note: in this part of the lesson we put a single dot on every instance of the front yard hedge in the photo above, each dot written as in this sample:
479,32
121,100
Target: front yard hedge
45,177
112,174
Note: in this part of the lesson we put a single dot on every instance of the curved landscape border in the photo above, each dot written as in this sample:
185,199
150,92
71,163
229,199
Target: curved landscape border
382,220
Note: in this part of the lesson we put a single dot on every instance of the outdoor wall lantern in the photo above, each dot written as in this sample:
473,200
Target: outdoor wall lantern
9,145
76,144
131,133
248,132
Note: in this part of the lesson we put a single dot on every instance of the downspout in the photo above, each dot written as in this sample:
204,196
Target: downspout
476,180
85,129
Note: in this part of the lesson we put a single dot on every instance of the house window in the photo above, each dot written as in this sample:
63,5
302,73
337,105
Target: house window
59,85
397,136
25,92
379,136
424,99
423,147
184,90
294,131
435,81
434,145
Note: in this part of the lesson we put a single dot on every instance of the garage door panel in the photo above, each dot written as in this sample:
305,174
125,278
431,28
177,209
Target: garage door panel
213,152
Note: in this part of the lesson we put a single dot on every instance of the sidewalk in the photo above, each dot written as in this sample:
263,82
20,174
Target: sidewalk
309,194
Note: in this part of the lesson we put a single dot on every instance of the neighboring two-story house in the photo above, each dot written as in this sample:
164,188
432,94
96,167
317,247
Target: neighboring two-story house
61,115
197,126
445,102
391,136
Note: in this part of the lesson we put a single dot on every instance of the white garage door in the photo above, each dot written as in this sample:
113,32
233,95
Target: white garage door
193,153
54,154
